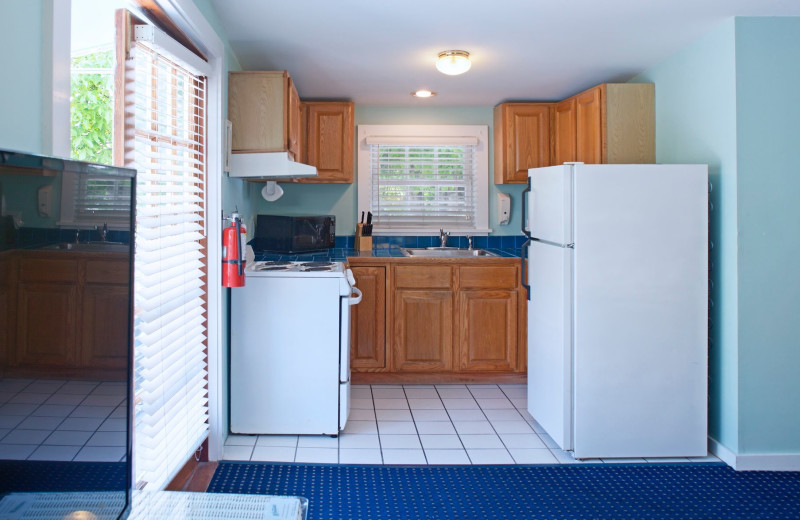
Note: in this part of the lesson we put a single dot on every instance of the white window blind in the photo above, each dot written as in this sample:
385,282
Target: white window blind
102,199
171,414
416,179
423,186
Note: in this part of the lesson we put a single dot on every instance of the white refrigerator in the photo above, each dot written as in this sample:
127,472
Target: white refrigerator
617,279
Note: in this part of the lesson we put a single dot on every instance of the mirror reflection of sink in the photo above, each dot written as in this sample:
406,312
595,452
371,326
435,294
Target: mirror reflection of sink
445,252
91,247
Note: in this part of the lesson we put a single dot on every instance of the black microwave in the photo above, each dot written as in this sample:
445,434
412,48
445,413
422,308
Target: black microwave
286,234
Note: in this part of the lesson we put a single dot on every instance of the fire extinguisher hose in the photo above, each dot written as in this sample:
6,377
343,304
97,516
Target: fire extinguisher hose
239,245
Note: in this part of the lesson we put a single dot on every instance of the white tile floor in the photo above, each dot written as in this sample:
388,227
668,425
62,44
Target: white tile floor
62,420
424,424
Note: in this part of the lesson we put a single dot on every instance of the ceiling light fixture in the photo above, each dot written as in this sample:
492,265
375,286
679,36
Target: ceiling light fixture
453,63
422,93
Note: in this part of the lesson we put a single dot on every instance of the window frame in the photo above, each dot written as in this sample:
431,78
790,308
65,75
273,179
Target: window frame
480,132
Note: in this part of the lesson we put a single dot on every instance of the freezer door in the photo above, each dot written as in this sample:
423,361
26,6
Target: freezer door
550,204
641,282
550,340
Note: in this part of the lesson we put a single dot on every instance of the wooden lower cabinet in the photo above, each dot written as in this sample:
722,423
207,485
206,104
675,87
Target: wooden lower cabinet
423,330
104,330
438,321
46,328
70,315
488,330
368,320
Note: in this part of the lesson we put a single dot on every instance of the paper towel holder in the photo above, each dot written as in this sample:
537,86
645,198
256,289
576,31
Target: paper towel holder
503,208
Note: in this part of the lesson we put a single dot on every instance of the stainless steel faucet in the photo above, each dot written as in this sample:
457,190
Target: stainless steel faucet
469,241
103,232
443,235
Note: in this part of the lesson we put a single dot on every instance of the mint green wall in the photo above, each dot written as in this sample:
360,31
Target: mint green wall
341,200
730,100
21,42
768,112
696,123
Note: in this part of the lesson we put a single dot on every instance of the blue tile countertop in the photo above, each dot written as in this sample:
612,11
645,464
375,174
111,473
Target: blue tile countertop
37,238
389,247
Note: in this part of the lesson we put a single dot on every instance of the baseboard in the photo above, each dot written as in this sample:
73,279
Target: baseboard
768,462
722,452
755,461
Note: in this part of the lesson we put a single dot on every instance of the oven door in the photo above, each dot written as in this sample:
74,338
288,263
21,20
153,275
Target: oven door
350,295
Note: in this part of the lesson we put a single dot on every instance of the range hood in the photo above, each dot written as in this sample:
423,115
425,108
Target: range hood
269,166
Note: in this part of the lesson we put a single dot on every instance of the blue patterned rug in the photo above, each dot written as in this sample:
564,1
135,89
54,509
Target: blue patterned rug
589,491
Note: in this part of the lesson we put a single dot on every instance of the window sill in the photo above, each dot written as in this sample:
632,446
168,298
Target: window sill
429,232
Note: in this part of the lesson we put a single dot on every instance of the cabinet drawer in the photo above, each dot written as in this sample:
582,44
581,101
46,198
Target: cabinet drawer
107,271
495,277
48,270
423,276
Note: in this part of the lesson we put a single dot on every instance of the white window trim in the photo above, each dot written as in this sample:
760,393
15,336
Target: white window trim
447,133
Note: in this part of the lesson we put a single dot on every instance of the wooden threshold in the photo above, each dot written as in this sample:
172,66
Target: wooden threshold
422,378
195,475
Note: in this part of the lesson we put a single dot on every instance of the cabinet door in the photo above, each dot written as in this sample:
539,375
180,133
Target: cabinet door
368,320
423,330
525,140
564,132
488,330
46,329
330,141
104,327
589,140
257,108
295,125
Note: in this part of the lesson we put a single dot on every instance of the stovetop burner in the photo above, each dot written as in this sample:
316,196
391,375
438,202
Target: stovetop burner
281,266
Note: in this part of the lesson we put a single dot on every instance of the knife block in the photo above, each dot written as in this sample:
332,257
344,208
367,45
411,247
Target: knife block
362,243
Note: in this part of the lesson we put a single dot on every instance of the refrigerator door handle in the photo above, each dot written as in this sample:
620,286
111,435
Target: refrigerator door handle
523,272
525,192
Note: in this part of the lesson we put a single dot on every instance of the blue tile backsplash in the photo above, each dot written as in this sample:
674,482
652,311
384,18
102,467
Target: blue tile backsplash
27,237
387,247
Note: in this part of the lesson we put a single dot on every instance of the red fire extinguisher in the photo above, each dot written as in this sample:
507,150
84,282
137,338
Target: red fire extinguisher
234,239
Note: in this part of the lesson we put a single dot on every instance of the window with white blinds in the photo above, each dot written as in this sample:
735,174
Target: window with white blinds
171,411
102,199
419,182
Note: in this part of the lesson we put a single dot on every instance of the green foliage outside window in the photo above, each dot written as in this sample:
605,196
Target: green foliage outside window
92,107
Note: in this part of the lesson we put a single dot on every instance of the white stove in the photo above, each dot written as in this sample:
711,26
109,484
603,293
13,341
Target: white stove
281,267
290,348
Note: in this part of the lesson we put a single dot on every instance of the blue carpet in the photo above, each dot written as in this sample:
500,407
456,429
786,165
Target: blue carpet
37,476
602,491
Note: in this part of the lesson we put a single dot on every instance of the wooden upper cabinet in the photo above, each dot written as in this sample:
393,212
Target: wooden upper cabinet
330,131
564,124
264,108
521,140
589,140
295,128
614,124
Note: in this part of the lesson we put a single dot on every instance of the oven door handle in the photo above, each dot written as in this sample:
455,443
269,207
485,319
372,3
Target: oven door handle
355,298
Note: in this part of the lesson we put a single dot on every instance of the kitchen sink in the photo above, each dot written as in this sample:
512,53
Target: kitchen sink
445,252
91,247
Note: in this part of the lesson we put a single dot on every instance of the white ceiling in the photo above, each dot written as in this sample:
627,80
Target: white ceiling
375,52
